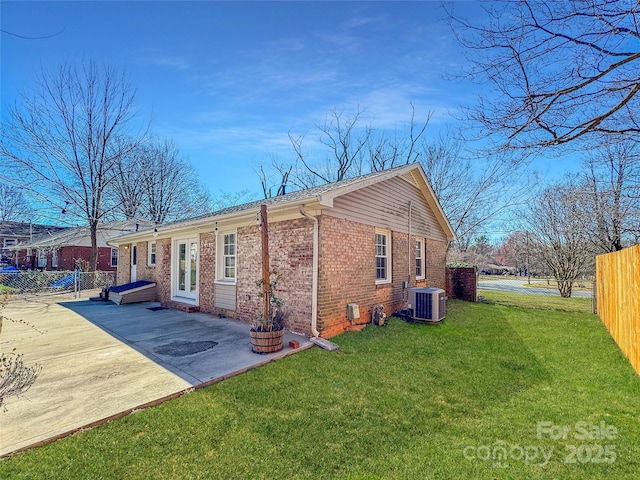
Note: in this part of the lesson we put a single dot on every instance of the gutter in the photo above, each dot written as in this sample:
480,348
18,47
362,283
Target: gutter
314,287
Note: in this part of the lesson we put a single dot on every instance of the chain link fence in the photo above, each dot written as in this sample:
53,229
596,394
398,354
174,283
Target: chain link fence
18,282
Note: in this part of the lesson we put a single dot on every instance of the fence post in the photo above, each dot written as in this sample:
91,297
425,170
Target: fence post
594,296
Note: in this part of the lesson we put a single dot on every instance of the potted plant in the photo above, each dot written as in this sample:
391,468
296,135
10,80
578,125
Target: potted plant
267,331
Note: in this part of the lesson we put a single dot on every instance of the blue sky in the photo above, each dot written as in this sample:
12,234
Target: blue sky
228,80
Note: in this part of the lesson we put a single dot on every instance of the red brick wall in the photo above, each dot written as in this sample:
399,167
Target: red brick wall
462,283
67,257
124,264
144,271
290,254
160,273
347,272
163,269
207,272
436,264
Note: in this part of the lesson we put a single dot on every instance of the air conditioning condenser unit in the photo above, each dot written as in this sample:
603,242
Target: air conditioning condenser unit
427,305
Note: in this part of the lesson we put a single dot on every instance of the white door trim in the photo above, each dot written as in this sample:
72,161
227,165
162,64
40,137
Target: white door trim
185,269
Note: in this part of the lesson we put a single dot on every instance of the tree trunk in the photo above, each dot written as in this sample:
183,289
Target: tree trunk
565,286
93,260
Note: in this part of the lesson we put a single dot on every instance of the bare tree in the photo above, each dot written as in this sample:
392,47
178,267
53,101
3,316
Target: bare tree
517,252
391,149
13,205
346,141
611,182
558,234
561,70
61,142
353,149
276,176
15,377
153,181
481,252
229,199
472,190
132,172
172,190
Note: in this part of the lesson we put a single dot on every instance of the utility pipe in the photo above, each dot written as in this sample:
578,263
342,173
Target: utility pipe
409,249
314,278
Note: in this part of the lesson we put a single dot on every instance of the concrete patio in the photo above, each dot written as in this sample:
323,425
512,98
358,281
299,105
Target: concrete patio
102,361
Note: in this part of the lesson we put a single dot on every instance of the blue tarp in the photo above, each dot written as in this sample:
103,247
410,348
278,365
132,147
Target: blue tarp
64,282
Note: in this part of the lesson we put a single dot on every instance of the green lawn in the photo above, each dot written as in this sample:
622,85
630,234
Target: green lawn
396,402
537,301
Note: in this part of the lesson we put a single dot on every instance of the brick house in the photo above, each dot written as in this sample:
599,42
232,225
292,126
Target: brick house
66,248
12,233
364,240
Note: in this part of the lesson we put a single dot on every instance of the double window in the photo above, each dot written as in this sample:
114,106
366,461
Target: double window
383,256
114,257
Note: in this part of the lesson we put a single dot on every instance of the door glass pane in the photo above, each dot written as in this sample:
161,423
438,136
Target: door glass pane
182,267
193,258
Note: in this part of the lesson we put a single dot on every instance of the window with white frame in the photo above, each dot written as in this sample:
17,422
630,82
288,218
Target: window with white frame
54,258
420,259
10,242
383,256
229,257
152,254
42,258
114,257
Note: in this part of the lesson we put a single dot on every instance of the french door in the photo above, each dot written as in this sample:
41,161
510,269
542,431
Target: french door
186,268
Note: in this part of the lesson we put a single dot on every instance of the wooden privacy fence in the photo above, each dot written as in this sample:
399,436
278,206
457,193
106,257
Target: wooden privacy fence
618,294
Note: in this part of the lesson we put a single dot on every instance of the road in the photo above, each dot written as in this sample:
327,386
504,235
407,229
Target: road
517,285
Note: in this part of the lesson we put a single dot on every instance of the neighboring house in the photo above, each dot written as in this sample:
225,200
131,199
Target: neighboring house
71,248
364,240
12,233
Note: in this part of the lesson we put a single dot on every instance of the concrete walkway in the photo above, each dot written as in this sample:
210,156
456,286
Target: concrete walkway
100,361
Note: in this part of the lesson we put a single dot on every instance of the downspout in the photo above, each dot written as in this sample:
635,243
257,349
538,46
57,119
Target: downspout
314,278
409,249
